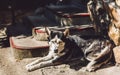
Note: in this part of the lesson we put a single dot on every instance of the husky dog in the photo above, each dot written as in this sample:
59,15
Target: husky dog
63,47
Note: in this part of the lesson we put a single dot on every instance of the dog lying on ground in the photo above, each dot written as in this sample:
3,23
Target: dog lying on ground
63,47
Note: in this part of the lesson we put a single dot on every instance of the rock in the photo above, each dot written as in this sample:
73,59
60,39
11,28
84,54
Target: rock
116,51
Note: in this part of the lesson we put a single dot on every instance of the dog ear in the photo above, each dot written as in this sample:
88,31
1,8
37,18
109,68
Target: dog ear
47,30
66,32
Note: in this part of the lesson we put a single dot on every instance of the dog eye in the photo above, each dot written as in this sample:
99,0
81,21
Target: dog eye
53,41
60,42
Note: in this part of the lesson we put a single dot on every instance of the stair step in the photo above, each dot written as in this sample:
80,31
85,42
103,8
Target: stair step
25,47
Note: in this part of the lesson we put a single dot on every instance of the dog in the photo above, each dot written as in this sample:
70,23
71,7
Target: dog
63,47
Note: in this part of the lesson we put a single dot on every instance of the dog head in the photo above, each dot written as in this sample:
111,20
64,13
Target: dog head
56,39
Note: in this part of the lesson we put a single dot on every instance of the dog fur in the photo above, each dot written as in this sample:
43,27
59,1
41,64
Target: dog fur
63,47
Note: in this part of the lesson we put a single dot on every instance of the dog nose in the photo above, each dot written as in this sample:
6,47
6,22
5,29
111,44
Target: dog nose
56,51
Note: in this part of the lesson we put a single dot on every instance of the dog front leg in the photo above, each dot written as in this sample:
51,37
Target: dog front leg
42,64
48,57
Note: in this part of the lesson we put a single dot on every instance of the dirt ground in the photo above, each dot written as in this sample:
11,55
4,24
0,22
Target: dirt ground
10,66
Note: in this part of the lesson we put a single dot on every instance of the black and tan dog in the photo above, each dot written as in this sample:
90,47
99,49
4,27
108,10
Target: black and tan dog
63,47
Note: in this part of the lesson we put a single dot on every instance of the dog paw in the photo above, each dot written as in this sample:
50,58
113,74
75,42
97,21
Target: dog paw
29,68
90,69
27,65
83,69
